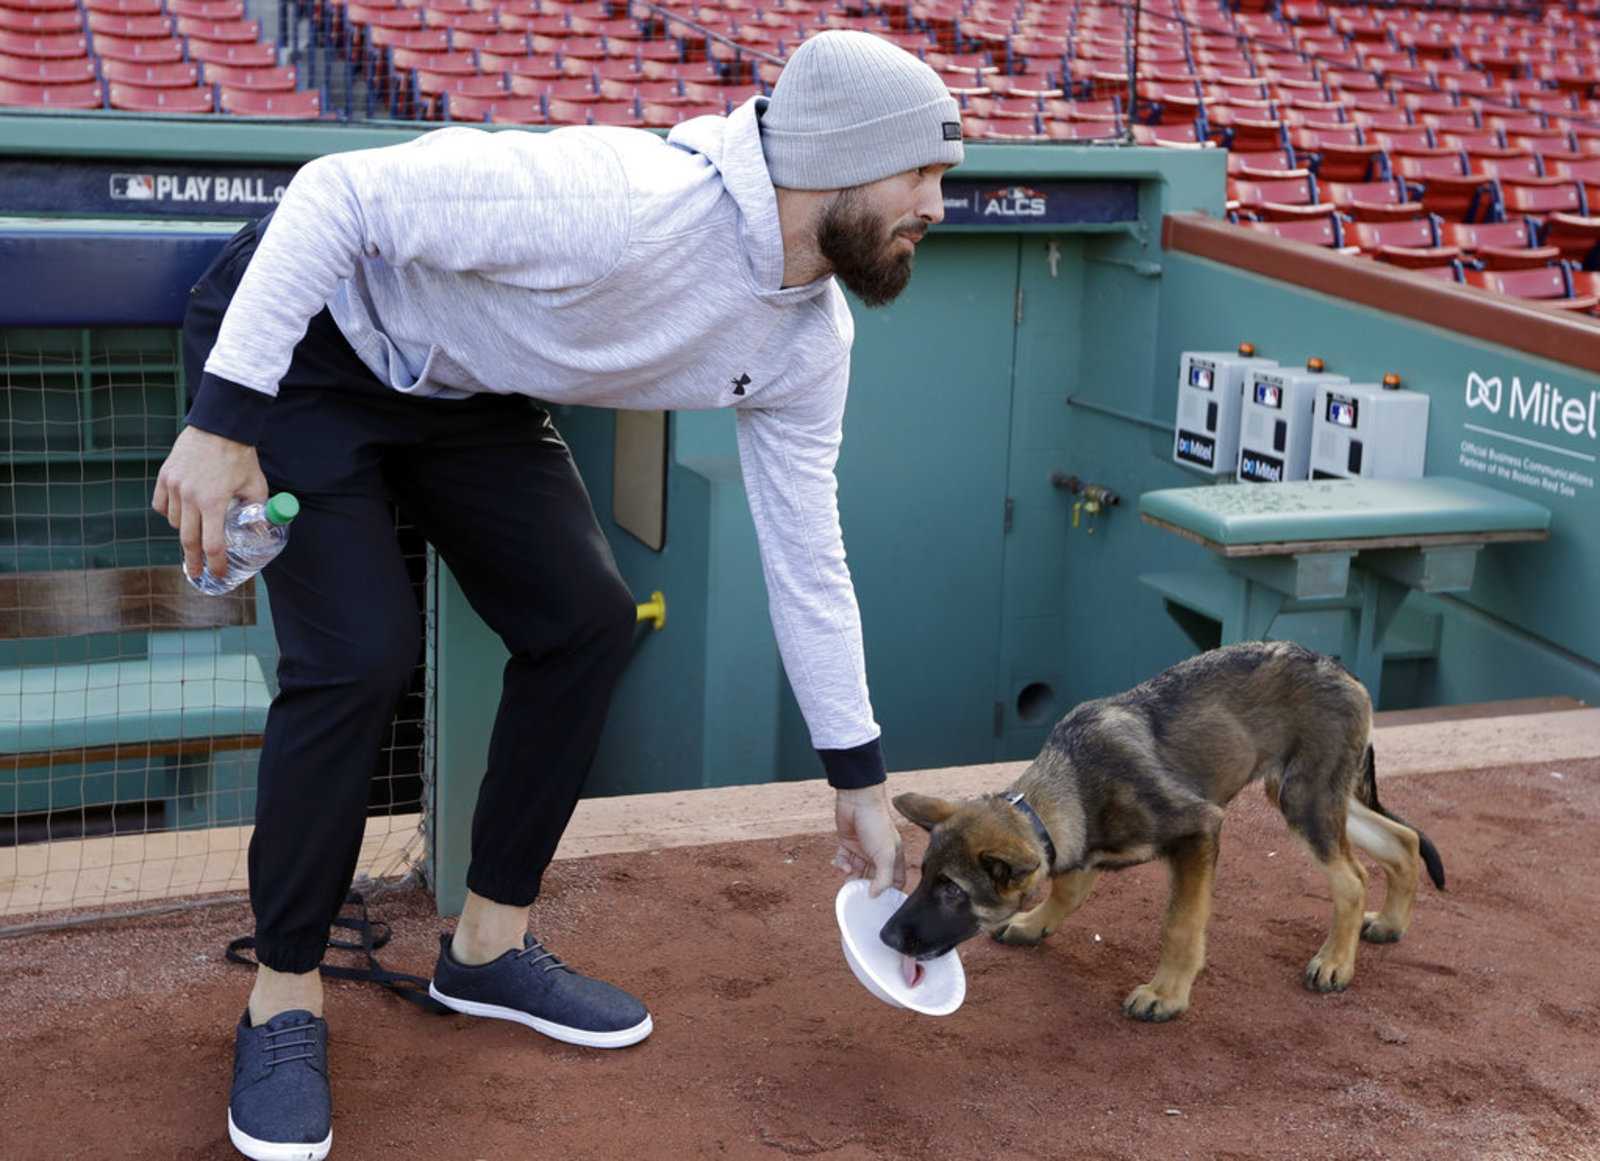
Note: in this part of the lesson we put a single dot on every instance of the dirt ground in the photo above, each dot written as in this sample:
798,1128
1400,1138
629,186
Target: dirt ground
1477,1037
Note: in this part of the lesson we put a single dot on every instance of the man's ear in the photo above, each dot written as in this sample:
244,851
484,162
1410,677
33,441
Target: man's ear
924,810
1007,868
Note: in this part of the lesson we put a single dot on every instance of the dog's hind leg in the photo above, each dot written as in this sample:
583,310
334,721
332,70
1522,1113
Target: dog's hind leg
1067,893
1314,801
1398,850
1192,865
1334,965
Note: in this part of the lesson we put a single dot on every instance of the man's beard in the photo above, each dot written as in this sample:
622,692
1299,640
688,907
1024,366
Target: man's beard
856,242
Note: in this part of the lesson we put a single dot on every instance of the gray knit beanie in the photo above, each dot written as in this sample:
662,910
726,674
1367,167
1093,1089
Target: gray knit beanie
851,108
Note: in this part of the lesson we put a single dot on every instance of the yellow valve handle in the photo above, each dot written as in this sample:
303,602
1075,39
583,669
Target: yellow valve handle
654,610
1077,513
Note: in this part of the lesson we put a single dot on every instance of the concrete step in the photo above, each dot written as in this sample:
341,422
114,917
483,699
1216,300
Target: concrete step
1523,732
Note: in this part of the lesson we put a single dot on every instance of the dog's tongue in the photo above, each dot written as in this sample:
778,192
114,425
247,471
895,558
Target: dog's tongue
911,970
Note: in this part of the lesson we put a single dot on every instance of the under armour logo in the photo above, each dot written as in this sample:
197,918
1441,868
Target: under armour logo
740,384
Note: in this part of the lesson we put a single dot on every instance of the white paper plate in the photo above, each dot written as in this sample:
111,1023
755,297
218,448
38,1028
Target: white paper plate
877,965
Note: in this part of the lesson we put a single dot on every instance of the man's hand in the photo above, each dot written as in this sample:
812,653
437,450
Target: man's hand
869,844
201,476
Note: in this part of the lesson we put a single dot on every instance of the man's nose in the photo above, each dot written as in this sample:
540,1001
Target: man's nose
932,208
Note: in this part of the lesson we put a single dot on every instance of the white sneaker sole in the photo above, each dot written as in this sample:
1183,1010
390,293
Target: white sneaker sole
619,1039
276,1150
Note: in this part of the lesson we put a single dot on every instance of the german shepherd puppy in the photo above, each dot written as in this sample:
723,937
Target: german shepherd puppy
1145,775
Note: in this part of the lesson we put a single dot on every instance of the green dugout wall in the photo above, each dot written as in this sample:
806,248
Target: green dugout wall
1024,351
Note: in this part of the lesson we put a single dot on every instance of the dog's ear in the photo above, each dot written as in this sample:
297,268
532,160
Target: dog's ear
1007,868
924,810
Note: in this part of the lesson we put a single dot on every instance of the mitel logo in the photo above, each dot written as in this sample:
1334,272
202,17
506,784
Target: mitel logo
1539,403
1483,392
1016,201
1197,449
1263,469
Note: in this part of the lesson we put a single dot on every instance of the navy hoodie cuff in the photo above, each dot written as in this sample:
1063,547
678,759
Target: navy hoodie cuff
855,768
229,409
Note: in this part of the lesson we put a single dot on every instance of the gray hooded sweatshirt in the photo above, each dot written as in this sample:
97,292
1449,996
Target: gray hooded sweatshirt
595,266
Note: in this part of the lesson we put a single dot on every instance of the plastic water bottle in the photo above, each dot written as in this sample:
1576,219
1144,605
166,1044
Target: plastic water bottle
255,533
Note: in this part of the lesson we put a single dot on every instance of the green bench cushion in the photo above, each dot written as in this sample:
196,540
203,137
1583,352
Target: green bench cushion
1309,510
165,697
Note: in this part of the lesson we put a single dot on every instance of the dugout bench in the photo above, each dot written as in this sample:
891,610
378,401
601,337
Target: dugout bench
1350,551
142,728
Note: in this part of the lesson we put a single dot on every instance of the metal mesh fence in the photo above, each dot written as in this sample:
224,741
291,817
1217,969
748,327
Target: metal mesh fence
131,706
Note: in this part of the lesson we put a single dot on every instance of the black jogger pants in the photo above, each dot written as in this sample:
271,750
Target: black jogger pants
493,488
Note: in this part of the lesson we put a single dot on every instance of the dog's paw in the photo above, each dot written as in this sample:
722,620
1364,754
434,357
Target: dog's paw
1019,935
1145,1003
1375,929
1328,976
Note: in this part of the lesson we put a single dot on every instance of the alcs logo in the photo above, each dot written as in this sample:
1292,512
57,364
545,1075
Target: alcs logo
1016,201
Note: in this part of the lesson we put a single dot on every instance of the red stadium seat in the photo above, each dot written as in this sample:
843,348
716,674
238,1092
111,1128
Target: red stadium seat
1324,229
137,99
1403,141
177,75
1422,164
1458,199
1472,236
382,36
1261,166
305,105
1418,258
207,9
532,68
1417,234
1096,131
1516,258
1577,238
125,7
47,22
139,51
245,55
1371,201
85,95
225,32
1586,285
483,23
563,112
133,27
47,71
278,79
1171,135
1299,191
431,86
1548,283
1536,201
60,46
498,42
509,110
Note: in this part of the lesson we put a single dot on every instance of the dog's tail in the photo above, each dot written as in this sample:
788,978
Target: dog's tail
1369,797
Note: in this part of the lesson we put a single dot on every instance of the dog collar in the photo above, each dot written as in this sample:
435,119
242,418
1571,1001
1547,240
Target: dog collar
1026,807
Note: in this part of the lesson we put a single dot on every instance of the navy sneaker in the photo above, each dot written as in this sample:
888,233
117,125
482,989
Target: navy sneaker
536,989
280,1108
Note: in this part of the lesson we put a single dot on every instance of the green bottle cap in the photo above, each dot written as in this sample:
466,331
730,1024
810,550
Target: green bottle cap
283,508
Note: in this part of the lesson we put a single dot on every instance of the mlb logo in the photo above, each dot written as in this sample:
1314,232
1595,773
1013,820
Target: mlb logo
133,187
1014,193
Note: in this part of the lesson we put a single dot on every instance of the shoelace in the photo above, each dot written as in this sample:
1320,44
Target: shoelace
534,945
274,1046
